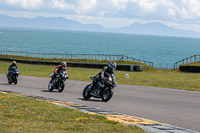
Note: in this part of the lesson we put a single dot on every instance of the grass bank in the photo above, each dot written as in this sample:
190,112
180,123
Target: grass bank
25,114
156,78
192,64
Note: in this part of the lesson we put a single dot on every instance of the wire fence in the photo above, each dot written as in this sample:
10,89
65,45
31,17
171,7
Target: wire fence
164,65
194,58
76,56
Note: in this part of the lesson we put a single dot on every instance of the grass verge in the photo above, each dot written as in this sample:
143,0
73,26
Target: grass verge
192,64
25,114
158,78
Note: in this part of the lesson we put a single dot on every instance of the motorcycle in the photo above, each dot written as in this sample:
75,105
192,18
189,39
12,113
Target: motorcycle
58,81
12,77
102,89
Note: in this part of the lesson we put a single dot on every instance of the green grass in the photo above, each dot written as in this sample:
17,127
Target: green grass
163,79
25,114
192,64
156,78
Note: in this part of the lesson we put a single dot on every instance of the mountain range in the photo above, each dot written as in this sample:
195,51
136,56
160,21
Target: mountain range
62,23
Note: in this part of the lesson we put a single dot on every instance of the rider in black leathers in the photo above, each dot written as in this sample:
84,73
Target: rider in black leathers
11,67
106,71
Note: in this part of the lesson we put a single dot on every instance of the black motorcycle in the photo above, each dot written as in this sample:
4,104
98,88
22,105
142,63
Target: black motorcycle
102,89
58,81
13,75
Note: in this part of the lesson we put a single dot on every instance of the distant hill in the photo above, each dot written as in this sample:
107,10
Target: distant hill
66,24
47,23
155,28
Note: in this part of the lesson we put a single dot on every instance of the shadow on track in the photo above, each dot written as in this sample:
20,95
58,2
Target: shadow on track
49,91
92,100
5,84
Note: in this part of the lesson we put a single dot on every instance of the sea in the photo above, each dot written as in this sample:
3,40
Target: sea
157,49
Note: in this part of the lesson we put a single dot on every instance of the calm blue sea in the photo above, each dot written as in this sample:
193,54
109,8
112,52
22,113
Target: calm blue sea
157,49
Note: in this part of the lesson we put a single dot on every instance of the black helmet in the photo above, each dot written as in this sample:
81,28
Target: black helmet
63,65
112,65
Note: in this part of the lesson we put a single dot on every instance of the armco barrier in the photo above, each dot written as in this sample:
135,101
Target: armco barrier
78,64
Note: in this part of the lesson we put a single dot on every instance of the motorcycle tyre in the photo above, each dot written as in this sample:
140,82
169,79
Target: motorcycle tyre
15,80
61,87
50,88
86,96
9,82
110,94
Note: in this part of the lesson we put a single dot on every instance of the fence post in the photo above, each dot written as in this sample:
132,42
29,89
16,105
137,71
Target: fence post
195,58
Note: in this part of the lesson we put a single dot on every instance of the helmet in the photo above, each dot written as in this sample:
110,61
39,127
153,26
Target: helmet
14,63
63,65
112,65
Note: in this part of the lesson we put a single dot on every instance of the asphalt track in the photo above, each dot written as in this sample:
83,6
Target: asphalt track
176,107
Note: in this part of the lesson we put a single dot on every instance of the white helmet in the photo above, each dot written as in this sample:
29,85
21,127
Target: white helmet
112,65
63,65
14,63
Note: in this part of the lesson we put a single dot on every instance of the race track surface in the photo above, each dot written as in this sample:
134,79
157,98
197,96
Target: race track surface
176,107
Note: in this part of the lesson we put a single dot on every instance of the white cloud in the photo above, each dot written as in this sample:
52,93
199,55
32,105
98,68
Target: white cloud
119,4
85,6
61,4
193,7
102,13
27,4
146,5
171,12
78,6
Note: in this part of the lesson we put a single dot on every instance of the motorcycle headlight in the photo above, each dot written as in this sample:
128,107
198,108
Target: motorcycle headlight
110,79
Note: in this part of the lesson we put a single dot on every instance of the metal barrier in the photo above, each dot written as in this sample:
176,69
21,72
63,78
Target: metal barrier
76,56
194,58
164,65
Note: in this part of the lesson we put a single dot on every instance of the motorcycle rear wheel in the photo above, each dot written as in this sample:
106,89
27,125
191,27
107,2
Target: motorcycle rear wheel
86,93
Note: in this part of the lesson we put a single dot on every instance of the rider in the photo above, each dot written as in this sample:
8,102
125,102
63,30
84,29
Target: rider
60,67
106,71
12,67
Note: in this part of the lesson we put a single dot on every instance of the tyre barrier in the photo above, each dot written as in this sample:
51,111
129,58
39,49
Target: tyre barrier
193,69
137,68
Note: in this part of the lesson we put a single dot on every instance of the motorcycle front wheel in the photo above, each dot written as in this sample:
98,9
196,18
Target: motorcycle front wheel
15,80
61,87
86,92
50,87
106,95
9,82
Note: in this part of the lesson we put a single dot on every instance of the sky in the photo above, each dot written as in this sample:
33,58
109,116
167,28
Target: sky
179,14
